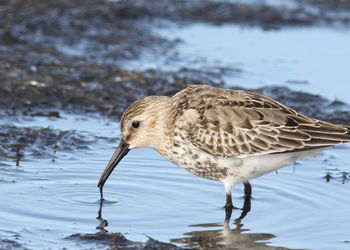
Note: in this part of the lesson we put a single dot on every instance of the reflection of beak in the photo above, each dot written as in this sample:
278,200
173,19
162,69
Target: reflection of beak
118,155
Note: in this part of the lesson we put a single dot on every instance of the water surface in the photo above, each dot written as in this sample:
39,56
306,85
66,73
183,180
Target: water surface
313,59
46,201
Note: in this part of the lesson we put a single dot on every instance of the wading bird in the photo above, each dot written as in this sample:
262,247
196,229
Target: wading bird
226,135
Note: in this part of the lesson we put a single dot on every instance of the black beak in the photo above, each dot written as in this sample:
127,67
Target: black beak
118,155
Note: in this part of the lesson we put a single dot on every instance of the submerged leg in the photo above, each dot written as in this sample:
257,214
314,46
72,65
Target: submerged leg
246,207
247,190
229,204
228,209
228,213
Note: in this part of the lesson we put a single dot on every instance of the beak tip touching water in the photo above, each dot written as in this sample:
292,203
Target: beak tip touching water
118,155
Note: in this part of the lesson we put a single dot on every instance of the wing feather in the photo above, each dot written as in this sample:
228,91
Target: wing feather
239,123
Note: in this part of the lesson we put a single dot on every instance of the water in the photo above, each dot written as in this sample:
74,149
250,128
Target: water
45,201
315,60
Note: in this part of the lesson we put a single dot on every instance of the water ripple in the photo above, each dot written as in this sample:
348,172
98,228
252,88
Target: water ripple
148,195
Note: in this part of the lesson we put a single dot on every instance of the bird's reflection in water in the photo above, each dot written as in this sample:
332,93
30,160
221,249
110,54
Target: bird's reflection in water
235,238
226,238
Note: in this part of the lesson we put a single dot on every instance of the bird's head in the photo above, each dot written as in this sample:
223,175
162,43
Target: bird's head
143,122
142,125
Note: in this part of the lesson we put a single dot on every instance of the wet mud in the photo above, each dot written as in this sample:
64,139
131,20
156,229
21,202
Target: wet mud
19,142
68,56
109,92
221,12
327,5
6,244
118,241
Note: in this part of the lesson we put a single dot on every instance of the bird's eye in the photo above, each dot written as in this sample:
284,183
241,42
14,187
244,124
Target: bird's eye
135,124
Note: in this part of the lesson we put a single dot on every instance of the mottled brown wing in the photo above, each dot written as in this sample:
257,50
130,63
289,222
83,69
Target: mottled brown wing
236,123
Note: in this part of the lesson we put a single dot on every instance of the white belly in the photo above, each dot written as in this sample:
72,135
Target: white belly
256,166
233,170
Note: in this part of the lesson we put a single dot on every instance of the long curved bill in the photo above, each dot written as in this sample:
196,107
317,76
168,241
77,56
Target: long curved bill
118,155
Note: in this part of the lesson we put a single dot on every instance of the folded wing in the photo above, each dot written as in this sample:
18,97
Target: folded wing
231,123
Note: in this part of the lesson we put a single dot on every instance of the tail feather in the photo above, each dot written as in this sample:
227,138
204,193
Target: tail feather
326,135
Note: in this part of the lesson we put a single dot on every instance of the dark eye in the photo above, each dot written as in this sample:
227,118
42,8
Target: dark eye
135,124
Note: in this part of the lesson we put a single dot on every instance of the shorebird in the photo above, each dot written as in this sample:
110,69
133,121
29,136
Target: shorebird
226,135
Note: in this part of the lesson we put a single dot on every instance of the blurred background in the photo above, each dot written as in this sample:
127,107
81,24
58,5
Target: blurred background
69,68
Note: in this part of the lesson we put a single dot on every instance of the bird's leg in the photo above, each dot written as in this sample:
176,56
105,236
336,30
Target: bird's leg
247,190
247,199
246,208
228,213
228,209
229,204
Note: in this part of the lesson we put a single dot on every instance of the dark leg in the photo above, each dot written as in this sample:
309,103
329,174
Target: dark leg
247,199
228,209
228,213
229,204
246,208
247,190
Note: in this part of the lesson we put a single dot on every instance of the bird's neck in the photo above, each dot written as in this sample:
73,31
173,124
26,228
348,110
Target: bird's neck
160,125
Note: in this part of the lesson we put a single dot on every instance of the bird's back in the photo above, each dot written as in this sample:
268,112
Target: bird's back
236,123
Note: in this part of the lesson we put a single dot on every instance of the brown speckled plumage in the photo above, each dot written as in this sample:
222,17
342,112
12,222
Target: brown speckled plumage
239,123
226,135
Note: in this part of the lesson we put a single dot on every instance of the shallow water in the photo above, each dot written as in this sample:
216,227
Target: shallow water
46,201
311,59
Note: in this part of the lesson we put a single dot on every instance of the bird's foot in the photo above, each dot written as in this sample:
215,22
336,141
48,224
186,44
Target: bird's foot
230,206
